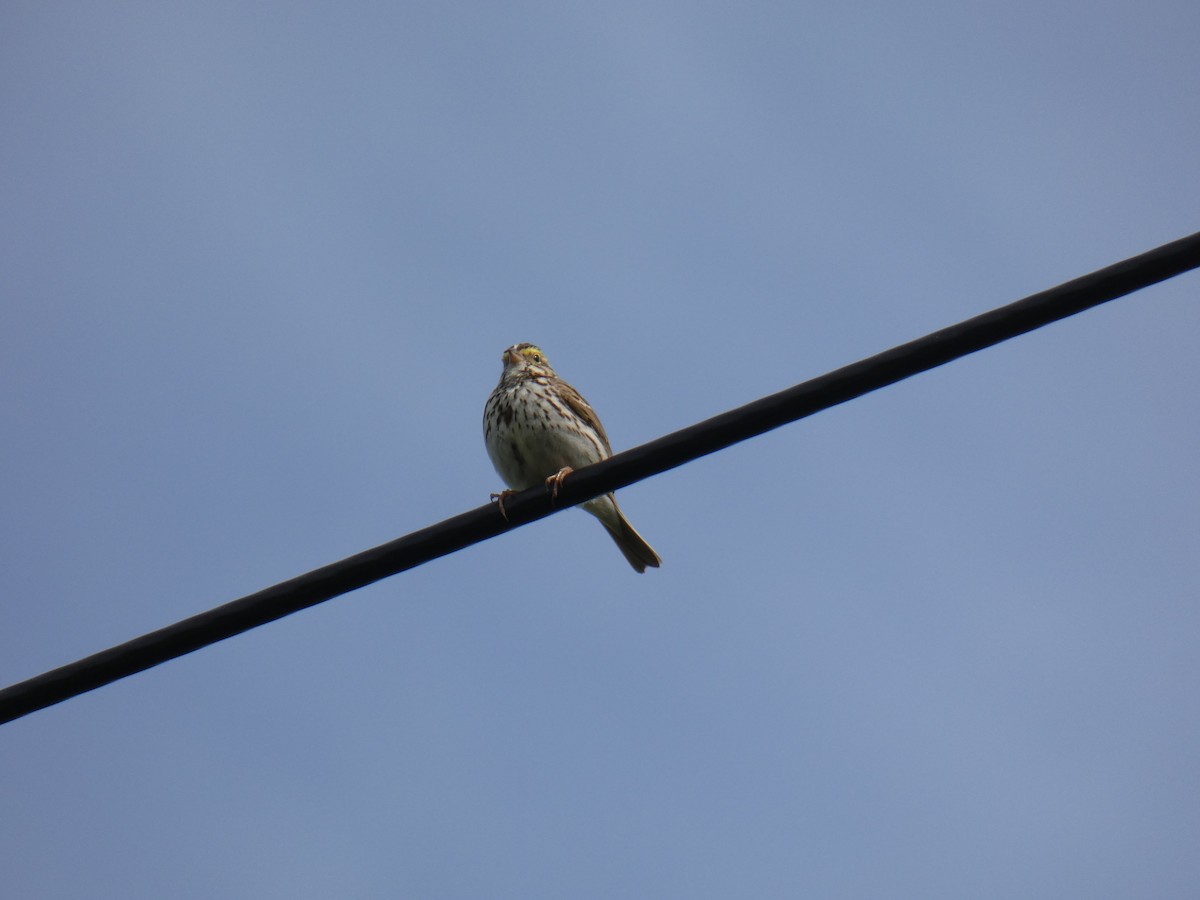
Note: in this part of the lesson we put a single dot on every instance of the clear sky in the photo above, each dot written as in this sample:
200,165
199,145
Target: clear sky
259,264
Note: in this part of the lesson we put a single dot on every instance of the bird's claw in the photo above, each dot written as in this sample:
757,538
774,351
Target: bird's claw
499,499
556,480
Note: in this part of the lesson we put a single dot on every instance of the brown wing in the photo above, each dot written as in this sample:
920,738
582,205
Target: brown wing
581,408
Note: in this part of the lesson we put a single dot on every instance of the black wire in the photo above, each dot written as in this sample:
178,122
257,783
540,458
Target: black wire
620,470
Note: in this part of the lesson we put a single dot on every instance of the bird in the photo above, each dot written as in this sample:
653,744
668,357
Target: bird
538,429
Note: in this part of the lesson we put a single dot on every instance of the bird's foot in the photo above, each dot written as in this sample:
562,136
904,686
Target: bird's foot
499,499
556,480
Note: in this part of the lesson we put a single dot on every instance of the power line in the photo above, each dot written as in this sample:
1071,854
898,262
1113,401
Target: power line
619,471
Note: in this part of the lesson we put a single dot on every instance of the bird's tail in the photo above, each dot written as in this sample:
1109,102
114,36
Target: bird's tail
634,547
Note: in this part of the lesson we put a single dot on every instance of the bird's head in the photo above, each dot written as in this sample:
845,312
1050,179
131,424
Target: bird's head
526,359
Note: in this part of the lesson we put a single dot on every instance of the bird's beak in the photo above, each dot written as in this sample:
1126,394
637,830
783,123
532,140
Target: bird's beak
511,356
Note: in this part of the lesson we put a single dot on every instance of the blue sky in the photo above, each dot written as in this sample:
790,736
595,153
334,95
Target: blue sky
260,261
